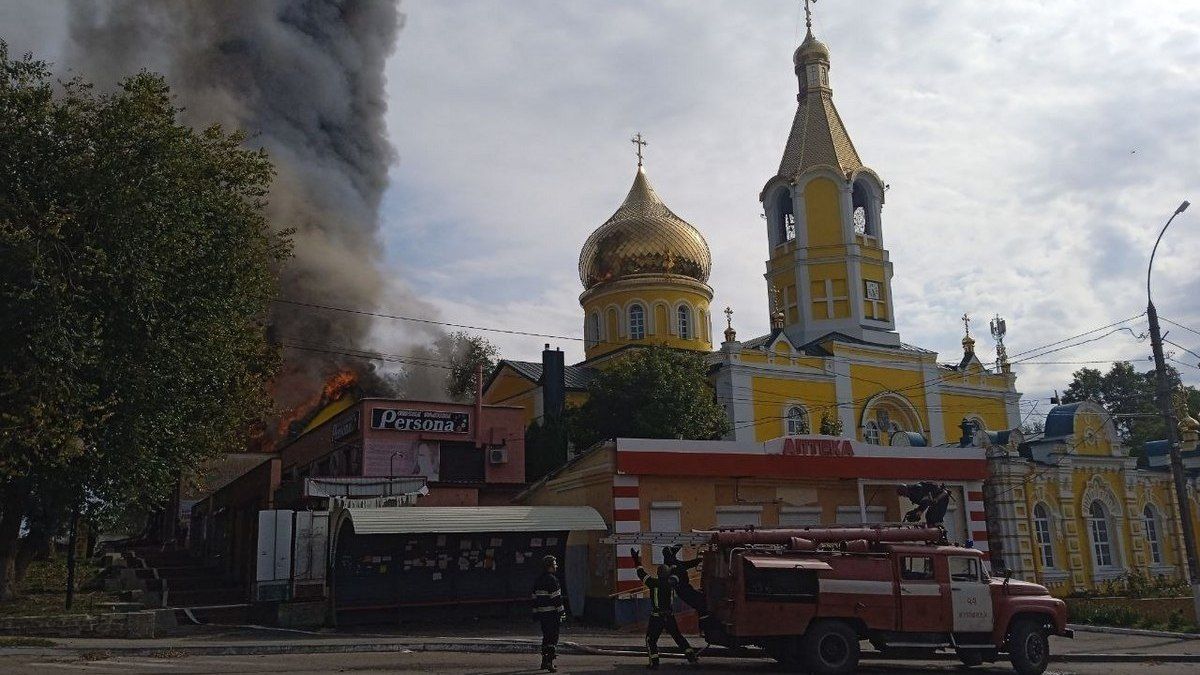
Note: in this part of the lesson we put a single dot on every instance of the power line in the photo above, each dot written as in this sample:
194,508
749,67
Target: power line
1179,325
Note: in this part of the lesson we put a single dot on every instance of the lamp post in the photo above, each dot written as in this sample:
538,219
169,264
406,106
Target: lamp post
1164,404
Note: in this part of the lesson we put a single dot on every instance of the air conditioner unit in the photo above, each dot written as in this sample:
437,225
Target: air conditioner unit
498,455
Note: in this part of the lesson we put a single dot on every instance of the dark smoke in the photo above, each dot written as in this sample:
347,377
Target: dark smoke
306,79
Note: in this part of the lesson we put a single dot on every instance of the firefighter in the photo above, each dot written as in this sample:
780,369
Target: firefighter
662,615
930,498
679,569
548,610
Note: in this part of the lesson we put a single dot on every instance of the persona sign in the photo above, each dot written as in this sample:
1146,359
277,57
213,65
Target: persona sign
435,421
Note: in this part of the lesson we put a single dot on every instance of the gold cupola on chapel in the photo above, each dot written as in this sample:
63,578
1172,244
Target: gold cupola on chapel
823,212
645,277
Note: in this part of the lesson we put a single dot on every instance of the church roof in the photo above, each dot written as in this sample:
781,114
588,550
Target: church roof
576,377
818,136
644,237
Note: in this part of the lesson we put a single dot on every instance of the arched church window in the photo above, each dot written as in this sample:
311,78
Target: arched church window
637,322
1100,529
871,433
685,322
787,219
862,214
1152,531
797,421
593,330
1041,530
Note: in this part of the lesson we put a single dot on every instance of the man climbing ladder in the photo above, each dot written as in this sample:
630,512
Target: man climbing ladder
662,614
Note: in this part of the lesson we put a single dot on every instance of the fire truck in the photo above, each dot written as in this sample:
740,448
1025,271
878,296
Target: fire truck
809,597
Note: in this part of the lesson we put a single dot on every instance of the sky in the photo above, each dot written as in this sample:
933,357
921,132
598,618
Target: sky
1032,149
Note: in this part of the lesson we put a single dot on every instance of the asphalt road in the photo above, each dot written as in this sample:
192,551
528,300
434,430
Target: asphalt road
492,664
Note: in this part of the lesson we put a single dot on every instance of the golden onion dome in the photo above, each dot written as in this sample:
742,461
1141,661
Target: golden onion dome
643,237
811,49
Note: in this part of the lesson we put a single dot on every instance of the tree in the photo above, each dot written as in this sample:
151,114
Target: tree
466,352
1129,397
650,392
831,425
136,270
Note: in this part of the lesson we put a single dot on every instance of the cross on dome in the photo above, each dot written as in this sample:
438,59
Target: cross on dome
808,14
639,144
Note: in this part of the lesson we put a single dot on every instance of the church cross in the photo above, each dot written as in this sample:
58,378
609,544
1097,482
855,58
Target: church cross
639,144
728,317
967,324
808,14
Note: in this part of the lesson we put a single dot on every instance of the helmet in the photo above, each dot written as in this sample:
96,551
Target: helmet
549,560
902,489
664,571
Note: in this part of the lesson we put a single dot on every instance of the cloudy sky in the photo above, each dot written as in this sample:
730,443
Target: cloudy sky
1033,150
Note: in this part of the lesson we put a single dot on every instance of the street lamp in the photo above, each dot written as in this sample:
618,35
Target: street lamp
1164,405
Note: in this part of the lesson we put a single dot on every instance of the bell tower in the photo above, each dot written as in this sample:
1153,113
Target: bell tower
823,210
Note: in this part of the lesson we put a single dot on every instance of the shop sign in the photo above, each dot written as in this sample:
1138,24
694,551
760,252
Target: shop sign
345,427
817,447
436,421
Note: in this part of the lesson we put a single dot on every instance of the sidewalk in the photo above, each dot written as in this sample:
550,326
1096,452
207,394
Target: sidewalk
1086,647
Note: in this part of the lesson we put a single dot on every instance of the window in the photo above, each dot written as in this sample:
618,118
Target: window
739,516
776,585
685,322
637,322
860,220
593,330
963,568
862,215
1102,554
871,433
914,568
799,516
787,219
797,421
1041,530
664,517
852,515
1152,529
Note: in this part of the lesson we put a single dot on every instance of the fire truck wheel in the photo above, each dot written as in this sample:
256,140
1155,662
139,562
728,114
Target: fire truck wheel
830,648
1028,648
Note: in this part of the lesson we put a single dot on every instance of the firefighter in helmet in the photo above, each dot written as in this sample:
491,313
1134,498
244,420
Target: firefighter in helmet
548,610
662,614
930,498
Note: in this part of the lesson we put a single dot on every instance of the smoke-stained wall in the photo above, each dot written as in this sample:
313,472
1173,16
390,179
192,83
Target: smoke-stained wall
306,79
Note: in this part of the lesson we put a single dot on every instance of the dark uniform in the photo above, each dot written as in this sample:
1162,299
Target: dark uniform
549,612
930,498
686,591
662,614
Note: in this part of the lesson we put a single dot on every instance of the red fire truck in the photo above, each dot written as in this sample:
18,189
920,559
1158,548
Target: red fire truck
809,596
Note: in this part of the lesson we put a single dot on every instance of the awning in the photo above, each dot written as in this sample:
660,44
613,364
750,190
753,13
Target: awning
788,564
462,519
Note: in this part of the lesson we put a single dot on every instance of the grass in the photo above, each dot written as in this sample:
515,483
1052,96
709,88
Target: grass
43,592
1124,617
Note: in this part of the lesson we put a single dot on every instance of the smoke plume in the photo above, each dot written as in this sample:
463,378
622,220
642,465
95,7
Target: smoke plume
306,79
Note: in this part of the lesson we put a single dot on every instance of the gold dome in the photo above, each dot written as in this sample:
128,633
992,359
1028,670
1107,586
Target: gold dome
643,238
811,49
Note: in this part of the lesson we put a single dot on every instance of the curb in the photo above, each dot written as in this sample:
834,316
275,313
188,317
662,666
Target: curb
511,647
1083,628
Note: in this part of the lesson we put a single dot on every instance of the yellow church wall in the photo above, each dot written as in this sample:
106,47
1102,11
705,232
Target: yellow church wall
511,389
1058,538
867,381
1091,437
837,275
822,213
773,394
1119,533
658,318
957,406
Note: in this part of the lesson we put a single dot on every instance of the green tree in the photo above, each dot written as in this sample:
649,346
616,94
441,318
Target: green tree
831,425
650,392
1129,397
466,352
136,270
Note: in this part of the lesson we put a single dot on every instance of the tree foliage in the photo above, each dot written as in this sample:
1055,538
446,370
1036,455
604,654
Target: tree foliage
136,268
466,352
1129,397
650,392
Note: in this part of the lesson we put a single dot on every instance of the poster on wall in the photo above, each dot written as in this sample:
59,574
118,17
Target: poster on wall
402,458
437,421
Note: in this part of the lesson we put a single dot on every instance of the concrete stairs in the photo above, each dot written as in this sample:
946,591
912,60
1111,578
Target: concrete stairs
197,593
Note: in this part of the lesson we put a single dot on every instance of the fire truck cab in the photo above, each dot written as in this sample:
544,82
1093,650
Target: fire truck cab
808,597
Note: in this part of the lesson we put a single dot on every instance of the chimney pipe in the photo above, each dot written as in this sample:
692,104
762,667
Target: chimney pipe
479,405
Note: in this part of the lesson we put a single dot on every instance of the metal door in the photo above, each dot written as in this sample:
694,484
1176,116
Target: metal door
921,601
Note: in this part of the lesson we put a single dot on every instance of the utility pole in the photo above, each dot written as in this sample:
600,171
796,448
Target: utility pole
1163,388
